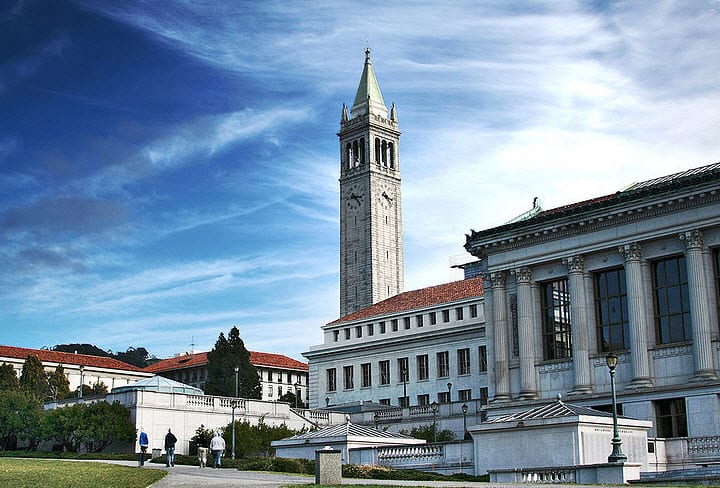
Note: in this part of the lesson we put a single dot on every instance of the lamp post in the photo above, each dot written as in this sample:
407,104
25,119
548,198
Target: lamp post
404,373
434,408
376,418
82,370
449,385
617,455
234,404
464,411
327,401
297,389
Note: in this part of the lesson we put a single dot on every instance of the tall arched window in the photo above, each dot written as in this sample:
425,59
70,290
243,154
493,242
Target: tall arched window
391,152
377,150
384,153
349,155
356,159
362,151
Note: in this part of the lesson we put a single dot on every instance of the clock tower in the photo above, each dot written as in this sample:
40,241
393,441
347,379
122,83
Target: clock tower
371,250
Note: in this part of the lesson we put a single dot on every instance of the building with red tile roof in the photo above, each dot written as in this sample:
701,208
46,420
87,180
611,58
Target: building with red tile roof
279,374
92,369
417,347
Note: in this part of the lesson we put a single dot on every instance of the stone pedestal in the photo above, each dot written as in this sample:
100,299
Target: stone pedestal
328,467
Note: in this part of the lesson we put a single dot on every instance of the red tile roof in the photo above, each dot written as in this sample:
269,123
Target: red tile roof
66,358
200,359
424,297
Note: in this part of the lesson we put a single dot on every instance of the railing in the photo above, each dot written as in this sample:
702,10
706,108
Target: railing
704,447
410,452
239,403
534,475
389,414
200,401
420,411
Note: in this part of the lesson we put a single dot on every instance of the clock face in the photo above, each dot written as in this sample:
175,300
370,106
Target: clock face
386,198
354,197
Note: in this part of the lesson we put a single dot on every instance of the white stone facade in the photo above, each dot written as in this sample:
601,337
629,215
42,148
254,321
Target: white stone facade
658,244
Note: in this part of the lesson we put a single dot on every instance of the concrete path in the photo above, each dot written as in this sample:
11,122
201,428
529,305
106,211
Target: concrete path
193,476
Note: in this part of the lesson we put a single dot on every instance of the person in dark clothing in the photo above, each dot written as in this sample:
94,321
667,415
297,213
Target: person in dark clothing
170,441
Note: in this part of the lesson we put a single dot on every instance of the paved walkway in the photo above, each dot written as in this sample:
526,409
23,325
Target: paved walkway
193,476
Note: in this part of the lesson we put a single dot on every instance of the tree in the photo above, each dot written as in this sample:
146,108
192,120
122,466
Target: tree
33,378
256,439
222,360
20,419
289,397
8,378
82,349
105,423
137,357
427,432
67,426
59,384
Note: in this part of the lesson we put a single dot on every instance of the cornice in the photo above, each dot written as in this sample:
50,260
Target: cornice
590,220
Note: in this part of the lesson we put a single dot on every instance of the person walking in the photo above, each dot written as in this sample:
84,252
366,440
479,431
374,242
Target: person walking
217,446
143,442
170,441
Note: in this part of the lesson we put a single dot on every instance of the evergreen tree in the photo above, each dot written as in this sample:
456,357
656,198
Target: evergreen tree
222,360
59,383
20,419
33,378
82,349
8,378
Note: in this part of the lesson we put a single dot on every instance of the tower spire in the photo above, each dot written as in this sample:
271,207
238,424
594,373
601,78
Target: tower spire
368,97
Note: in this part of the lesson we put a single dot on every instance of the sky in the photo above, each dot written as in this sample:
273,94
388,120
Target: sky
169,169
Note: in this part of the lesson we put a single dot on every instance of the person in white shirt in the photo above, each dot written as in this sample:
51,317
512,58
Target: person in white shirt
217,446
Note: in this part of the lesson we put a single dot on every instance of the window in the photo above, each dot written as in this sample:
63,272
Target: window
406,321
384,372
557,343
465,395
423,399
336,335
347,334
459,313
358,331
443,364
279,391
348,377
382,327
672,303
422,367
611,310
384,401
483,396
419,320
404,401
716,265
444,397
482,355
670,418
370,329
463,361
473,311
289,378
433,318
366,371
394,323
403,371
270,391
446,315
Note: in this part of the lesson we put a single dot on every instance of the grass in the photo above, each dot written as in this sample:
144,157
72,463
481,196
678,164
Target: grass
51,473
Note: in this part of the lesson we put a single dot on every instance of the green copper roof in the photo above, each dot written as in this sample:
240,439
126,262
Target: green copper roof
368,85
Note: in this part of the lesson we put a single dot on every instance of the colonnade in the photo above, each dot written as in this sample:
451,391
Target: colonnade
640,318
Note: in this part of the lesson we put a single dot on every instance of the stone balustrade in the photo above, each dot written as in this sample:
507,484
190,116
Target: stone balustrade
704,447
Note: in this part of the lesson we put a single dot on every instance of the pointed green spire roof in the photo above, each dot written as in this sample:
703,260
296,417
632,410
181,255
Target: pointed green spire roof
368,91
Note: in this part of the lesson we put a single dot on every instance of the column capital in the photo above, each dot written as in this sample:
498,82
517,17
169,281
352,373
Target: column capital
631,252
496,279
575,264
693,239
522,275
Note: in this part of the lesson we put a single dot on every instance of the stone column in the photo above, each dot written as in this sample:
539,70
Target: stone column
500,329
526,334
637,318
699,311
578,314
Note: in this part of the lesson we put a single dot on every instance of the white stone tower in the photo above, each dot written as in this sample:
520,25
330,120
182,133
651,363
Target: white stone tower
371,250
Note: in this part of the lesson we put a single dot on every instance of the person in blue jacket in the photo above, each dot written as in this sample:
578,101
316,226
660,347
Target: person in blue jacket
143,441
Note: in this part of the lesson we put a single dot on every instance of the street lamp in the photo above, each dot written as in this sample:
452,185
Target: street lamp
449,385
617,455
82,370
297,389
404,373
234,404
434,408
464,411
327,401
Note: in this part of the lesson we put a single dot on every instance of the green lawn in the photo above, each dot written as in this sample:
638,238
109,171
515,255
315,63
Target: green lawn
51,473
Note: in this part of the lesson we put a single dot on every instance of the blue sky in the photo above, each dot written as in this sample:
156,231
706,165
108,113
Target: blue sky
169,169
